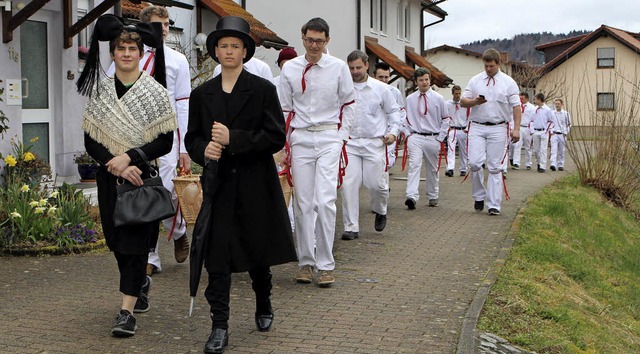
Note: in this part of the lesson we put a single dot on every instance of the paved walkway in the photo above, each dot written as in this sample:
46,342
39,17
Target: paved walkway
405,290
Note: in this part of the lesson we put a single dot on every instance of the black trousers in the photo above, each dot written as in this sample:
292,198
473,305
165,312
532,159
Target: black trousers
132,272
219,287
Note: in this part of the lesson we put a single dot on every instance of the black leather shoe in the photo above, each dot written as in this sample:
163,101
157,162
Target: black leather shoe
380,223
264,322
478,205
217,341
350,235
449,173
410,203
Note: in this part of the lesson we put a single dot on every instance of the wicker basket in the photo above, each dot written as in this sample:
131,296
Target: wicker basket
286,189
189,206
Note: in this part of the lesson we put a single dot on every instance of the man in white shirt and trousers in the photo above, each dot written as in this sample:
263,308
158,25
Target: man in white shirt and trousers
527,109
376,126
382,72
493,97
317,92
426,128
457,133
179,88
542,121
561,126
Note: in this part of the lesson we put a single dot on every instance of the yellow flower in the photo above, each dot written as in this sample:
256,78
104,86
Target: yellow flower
40,210
29,156
52,211
53,194
10,160
43,202
34,139
24,188
14,214
34,203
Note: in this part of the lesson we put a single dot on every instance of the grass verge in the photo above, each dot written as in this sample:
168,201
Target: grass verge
571,283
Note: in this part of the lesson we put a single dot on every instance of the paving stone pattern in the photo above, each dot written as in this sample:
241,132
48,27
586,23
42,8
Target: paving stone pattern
404,290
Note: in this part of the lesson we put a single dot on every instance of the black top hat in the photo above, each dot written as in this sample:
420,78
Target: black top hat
231,26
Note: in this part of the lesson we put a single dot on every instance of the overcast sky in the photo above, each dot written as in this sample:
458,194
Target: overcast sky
471,20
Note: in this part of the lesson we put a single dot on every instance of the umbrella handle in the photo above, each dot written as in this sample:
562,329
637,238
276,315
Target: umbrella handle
193,300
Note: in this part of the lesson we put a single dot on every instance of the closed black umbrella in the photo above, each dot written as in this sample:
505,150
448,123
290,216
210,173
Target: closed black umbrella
200,236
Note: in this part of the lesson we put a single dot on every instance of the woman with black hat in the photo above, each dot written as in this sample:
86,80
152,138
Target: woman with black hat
236,119
126,118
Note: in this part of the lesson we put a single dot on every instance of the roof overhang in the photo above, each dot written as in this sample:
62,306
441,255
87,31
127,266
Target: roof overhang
259,32
437,77
400,68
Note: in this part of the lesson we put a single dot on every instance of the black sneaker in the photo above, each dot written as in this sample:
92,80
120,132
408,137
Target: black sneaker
560,168
528,167
142,304
125,325
494,211
478,205
463,173
350,235
553,168
380,223
433,202
449,173
410,203
515,166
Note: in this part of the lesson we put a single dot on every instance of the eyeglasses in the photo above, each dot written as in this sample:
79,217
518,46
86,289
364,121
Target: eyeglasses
310,41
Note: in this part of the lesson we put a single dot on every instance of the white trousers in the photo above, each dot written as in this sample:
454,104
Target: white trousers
366,167
457,137
167,169
487,145
315,157
540,143
421,148
558,142
524,142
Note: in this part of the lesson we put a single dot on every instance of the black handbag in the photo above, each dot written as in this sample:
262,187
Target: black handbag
147,203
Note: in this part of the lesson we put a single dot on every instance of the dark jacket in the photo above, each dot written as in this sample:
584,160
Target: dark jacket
250,226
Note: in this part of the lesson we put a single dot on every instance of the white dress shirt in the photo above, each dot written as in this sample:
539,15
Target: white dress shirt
377,113
561,121
459,115
435,121
527,114
542,118
328,90
255,66
501,93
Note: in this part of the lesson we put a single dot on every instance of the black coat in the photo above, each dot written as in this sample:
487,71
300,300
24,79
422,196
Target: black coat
250,226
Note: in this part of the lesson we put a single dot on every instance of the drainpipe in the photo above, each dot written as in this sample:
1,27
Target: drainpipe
423,26
358,23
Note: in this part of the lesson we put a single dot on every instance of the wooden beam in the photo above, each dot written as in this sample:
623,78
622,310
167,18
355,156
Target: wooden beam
88,19
67,7
10,23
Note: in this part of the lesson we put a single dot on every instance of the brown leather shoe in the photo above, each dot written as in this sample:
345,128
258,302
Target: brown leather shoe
181,248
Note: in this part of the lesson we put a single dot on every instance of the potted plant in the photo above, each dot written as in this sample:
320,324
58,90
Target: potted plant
87,167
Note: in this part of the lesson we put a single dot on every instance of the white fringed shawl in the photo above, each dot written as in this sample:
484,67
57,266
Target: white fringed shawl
137,118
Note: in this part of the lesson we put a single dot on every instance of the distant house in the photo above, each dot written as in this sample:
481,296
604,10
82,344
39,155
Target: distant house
459,64
596,73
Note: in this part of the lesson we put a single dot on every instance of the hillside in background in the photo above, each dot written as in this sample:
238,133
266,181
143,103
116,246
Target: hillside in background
522,46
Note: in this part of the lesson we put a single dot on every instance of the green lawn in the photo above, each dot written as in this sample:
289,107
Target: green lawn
571,283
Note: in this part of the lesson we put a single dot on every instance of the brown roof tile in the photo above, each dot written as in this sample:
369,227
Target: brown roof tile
385,55
260,33
131,10
437,76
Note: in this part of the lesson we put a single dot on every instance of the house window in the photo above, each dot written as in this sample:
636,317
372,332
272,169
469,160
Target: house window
606,101
606,57
400,19
383,16
407,20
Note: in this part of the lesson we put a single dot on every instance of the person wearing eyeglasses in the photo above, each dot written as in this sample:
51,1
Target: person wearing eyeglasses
317,95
